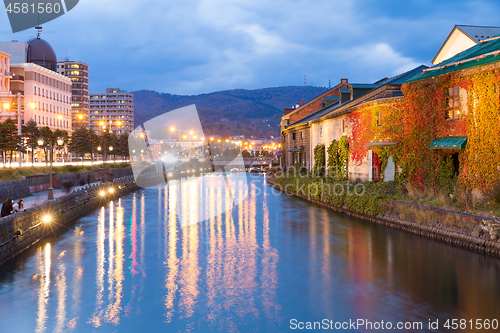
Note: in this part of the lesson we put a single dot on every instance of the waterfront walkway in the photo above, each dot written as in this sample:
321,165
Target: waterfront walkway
39,197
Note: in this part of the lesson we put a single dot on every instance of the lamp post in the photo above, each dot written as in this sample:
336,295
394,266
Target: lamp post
188,136
104,159
50,148
79,118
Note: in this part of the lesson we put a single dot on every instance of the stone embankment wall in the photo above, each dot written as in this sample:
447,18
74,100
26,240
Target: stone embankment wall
462,229
94,176
14,189
21,230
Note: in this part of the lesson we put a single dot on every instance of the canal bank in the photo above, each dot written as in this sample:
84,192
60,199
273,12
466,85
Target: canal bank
474,232
22,230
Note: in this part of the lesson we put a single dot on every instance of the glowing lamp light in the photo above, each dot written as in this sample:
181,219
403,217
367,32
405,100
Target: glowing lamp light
211,139
59,117
172,129
227,140
99,148
170,174
185,137
46,218
191,132
6,106
110,148
80,117
102,193
101,123
60,141
111,190
40,141
33,105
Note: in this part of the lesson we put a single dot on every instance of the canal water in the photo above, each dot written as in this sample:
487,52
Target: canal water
272,263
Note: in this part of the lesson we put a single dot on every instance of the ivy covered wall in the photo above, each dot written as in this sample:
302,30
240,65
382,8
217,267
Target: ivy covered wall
421,118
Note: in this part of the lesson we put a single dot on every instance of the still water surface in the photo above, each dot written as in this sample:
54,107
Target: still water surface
132,266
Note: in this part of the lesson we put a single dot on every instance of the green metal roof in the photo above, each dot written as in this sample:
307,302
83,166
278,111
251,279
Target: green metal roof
451,142
472,52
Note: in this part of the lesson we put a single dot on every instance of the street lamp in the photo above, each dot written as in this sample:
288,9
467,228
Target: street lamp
111,151
104,158
50,148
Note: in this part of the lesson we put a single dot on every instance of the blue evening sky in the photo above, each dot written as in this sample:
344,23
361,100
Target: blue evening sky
198,46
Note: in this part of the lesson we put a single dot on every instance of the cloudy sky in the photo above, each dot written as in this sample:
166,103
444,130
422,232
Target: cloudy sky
198,46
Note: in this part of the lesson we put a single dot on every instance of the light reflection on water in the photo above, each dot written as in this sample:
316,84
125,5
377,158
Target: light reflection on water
135,264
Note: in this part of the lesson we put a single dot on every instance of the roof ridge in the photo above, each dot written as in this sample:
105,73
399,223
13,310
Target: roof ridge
477,26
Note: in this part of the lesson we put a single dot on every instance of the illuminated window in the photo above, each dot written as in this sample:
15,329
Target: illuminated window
453,112
379,118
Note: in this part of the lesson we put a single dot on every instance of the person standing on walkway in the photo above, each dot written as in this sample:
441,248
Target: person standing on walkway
6,207
88,178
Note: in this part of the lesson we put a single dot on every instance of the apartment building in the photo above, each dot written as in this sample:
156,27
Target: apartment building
113,111
78,72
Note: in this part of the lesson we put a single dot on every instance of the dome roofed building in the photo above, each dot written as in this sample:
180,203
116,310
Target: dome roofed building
41,53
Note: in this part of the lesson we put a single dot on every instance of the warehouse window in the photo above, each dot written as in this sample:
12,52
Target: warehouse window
453,112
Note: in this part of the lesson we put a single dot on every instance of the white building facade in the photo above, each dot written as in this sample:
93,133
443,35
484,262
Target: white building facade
46,95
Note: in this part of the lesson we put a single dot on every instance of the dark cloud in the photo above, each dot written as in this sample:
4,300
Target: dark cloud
190,47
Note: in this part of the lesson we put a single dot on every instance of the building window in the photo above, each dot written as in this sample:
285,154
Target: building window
379,118
320,131
301,134
453,112
343,125
293,136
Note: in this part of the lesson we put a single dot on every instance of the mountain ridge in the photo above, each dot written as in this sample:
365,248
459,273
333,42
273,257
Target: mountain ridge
255,112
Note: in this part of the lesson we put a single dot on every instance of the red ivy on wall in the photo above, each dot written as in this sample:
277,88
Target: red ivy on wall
365,127
420,119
